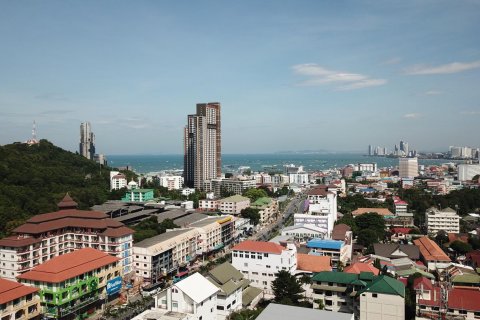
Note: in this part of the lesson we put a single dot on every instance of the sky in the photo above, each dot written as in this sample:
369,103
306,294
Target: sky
290,75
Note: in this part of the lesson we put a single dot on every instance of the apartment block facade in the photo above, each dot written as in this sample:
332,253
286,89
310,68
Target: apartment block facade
18,301
46,236
446,219
260,261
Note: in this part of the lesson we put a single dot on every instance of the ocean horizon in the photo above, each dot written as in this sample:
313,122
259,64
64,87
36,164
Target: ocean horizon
259,162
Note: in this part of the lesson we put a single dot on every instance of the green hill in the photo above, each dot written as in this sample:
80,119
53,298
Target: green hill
34,178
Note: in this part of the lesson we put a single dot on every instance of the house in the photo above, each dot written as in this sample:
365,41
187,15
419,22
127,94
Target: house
432,255
194,295
335,249
76,283
284,312
395,251
235,291
259,261
359,267
18,301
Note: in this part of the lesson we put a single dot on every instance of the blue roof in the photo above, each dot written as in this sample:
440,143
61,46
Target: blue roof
367,190
325,244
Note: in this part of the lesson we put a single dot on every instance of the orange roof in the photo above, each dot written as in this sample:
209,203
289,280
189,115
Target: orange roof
69,265
67,221
259,246
361,267
11,290
380,211
307,262
18,242
430,250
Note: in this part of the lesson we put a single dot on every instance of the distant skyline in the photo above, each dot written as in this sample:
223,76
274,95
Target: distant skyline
290,75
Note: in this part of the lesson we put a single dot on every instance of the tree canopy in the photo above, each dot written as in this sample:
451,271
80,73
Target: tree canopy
33,179
252,214
287,289
254,194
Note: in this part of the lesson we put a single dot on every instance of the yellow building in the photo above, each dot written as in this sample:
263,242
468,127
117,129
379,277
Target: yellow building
18,301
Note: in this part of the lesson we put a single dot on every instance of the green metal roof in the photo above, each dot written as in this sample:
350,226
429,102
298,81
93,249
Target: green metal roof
249,294
466,278
264,201
365,275
336,277
386,285
225,272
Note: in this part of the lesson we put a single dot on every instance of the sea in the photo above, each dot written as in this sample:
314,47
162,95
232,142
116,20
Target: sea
258,162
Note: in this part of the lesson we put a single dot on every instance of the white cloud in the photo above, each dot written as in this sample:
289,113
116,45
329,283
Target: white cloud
412,115
318,75
432,92
449,68
470,113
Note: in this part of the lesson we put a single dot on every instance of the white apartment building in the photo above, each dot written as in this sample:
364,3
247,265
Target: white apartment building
379,305
117,180
298,178
467,171
370,167
195,296
187,191
171,182
49,235
155,257
259,261
408,167
322,203
447,220
234,204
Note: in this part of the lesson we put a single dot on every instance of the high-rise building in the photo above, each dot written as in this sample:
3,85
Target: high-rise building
408,167
370,150
202,145
87,141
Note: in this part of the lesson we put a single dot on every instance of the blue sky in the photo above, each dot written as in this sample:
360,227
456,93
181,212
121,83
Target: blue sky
291,75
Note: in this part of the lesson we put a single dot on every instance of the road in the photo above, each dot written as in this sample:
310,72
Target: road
296,205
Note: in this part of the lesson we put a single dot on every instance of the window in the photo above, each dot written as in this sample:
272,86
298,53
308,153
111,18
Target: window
268,266
228,307
374,295
255,273
220,308
211,310
265,255
234,301
264,274
264,283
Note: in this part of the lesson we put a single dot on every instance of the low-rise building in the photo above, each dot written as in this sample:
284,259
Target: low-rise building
18,301
335,249
267,208
171,182
365,295
208,205
76,283
432,255
194,295
155,257
235,290
396,251
138,195
304,232
446,219
234,204
215,232
259,261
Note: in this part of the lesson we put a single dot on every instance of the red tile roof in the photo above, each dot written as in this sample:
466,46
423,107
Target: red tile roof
464,299
320,190
422,282
311,263
339,231
361,267
69,265
17,242
117,232
73,213
259,246
457,236
401,230
11,290
430,250
67,203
